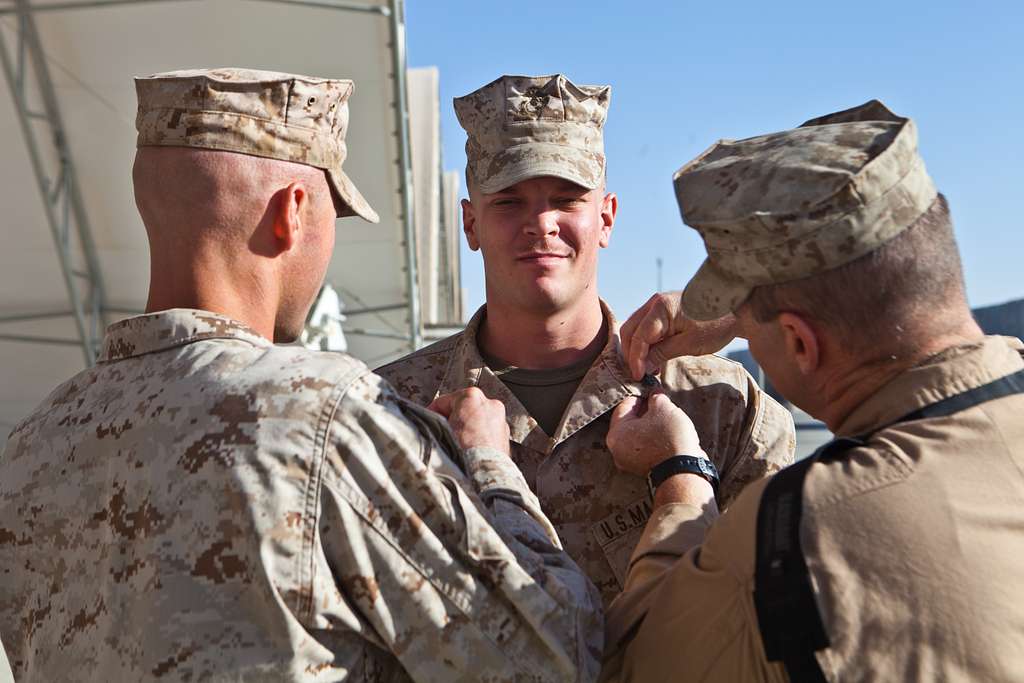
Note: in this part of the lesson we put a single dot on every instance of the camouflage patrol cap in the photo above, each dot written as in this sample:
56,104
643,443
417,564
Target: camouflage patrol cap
522,127
263,113
789,205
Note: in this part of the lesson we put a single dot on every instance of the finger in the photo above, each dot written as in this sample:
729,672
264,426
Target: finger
443,405
655,360
659,400
637,359
629,327
651,330
676,346
621,417
696,341
627,406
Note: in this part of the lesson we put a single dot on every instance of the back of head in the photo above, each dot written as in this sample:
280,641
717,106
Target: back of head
187,195
882,304
238,179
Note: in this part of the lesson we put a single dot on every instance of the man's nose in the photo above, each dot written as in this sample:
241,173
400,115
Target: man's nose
542,223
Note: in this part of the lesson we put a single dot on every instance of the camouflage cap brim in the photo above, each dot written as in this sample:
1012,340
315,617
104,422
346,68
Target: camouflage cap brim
712,293
534,160
353,202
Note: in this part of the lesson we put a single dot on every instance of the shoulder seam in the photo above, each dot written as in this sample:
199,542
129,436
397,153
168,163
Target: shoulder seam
305,607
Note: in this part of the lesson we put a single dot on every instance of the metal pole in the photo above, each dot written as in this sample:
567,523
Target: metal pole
397,25
658,262
29,36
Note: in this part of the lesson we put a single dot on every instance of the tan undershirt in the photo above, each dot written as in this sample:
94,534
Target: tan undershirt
544,393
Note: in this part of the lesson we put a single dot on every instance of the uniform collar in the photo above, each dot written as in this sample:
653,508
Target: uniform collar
166,329
953,371
604,386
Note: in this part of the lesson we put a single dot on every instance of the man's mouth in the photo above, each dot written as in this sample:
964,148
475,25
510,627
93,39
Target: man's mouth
541,256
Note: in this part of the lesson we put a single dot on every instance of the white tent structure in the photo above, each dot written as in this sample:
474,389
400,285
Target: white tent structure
74,255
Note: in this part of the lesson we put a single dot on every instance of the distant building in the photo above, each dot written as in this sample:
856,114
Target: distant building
1006,319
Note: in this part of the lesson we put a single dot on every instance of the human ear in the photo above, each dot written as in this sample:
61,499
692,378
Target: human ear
801,341
469,224
609,207
290,203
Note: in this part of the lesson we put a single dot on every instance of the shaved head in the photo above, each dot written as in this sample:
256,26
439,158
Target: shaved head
215,221
235,188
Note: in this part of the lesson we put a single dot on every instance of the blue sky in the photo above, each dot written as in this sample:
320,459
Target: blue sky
686,74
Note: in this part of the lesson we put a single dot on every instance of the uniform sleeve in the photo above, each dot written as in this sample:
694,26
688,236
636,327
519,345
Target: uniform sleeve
454,570
687,612
767,444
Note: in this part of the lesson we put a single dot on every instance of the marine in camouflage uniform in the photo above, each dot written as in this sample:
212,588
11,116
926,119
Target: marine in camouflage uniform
205,505
526,127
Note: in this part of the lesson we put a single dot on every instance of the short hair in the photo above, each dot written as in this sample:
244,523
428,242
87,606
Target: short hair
905,285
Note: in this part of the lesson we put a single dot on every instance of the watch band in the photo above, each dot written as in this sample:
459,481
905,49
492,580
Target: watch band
682,464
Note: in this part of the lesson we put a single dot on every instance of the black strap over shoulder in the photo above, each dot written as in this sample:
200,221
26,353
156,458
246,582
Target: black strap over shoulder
787,614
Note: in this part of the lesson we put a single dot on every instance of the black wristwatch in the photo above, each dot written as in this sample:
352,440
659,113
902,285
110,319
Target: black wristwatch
682,464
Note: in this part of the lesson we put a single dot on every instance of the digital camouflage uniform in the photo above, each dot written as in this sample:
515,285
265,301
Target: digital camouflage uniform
599,511
204,505
911,537
520,127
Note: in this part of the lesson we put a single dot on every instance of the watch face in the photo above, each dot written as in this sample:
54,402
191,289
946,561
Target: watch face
703,464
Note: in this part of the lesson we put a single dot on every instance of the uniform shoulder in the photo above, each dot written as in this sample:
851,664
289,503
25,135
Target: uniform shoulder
68,394
418,375
315,360
305,372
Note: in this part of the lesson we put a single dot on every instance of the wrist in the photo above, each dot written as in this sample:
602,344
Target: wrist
695,466
686,488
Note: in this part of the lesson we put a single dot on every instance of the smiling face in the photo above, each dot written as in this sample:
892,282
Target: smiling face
539,239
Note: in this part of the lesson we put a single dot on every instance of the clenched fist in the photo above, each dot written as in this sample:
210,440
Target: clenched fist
644,432
476,421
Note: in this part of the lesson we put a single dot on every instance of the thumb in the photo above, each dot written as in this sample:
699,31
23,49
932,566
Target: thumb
627,406
442,405
698,339
660,400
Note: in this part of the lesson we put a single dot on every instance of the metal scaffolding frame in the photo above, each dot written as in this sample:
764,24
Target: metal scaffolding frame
65,211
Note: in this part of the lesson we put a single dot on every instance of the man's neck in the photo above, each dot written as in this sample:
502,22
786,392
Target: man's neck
543,340
182,286
853,382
